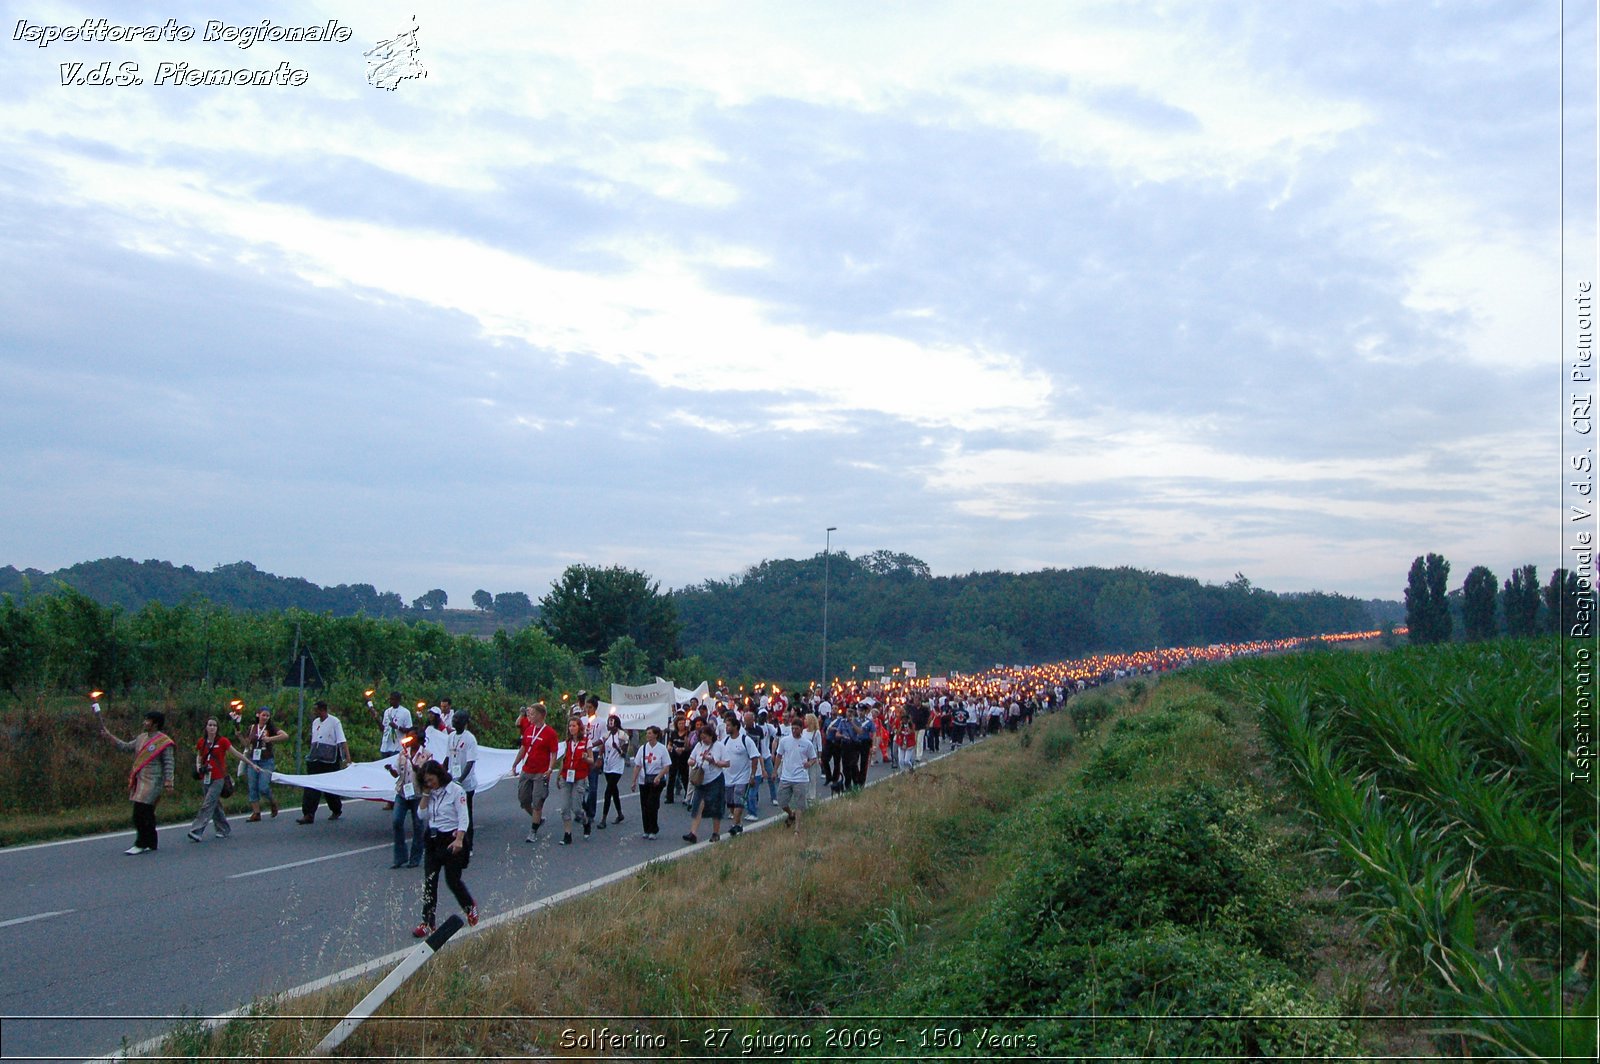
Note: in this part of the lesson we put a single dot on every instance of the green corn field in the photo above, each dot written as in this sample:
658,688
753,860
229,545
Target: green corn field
1438,778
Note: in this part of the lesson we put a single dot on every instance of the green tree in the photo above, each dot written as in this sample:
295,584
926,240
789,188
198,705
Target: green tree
20,646
688,672
513,605
1570,603
482,600
625,662
588,608
530,662
1478,602
1125,616
1427,611
1520,601
432,600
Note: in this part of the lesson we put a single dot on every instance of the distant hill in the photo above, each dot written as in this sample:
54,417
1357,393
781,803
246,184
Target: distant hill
240,585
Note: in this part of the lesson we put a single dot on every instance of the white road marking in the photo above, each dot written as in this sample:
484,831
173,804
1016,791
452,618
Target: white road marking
36,916
311,860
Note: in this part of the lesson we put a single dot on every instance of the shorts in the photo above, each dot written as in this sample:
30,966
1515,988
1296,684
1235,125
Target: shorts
532,790
792,795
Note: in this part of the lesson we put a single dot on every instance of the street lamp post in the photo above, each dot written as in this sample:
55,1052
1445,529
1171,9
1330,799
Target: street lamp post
827,544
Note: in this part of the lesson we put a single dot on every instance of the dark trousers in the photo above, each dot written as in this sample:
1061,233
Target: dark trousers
678,776
144,824
833,763
650,807
312,798
437,857
612,795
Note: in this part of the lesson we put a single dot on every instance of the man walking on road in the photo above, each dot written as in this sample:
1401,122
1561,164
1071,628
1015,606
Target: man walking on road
464,768
329,753
796,756
535,760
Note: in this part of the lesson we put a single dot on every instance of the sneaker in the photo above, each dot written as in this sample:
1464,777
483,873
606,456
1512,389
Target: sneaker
735,830
305,820
336,816
134,851
618,820
472,916
750,815
602,826
422,930
688,836
192,837
586,830
533,836
715,837
253,818
789,820
566,840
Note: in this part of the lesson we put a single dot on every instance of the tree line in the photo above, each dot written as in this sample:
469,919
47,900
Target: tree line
616,624
885,607
1482,609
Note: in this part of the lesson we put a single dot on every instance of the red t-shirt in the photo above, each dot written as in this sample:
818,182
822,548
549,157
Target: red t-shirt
539,748
219,756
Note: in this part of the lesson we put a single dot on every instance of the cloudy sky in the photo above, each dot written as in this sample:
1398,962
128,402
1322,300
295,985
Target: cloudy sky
1194,287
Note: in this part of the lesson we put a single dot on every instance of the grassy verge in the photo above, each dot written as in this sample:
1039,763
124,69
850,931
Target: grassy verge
18,829
1137,886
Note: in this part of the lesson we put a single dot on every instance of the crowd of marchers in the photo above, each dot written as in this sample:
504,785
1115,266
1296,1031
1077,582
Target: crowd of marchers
722,756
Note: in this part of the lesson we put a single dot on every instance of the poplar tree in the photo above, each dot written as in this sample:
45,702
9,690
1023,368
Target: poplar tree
1478,602
1520,601
1427,611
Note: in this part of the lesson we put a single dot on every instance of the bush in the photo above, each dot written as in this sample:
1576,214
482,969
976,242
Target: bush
1088,711
1171,743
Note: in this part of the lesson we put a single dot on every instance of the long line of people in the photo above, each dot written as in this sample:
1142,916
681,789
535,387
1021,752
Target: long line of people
716,756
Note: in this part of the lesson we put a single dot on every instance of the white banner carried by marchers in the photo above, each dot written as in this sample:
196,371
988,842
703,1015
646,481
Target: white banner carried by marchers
681,695
649,705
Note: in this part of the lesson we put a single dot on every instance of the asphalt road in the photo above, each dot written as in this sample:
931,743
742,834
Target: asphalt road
104,949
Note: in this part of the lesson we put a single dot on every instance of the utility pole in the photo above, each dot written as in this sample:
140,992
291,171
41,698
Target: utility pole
827,544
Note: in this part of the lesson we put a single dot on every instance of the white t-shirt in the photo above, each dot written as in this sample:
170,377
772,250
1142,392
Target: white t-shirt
708,756
464,752
615,747
738,750
396,719
793,754
327,731
652,759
